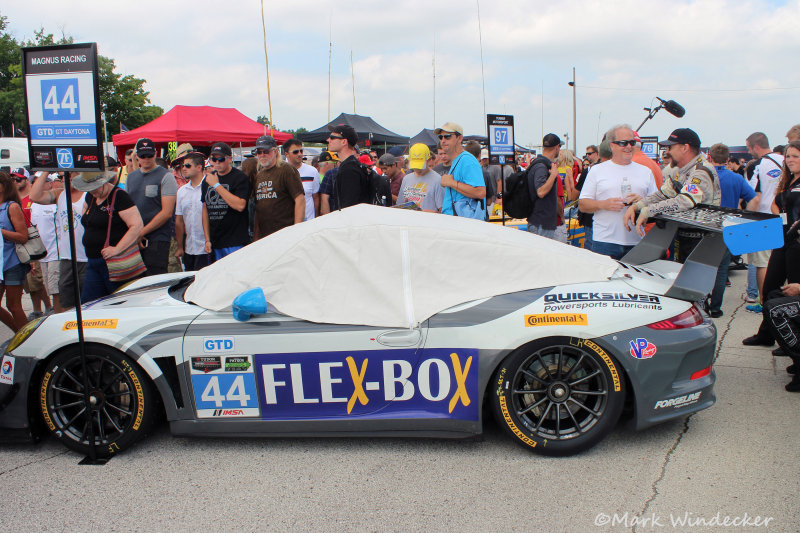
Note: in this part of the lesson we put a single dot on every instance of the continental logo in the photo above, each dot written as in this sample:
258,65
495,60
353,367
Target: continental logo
578,343
556,319
99,323
43,401
512,426
139,395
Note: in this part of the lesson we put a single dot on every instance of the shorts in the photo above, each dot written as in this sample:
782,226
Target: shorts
50,274
66,289
15,275
758,259
33,281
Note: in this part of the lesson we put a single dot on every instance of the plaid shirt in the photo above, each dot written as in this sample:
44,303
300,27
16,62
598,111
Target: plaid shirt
327,187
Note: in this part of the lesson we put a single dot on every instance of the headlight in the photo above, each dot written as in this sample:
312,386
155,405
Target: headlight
24,333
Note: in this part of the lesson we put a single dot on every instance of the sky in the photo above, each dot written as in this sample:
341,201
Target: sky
419,63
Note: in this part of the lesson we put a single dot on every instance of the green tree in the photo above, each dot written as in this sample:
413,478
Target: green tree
122,98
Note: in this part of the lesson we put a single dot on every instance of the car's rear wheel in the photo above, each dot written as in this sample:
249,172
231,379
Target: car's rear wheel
559,396
121,406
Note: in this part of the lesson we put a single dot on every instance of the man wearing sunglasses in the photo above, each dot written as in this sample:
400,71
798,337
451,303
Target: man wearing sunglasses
609,187
350,183
153,188
465,189
293,151
189,213
695,183
278,193
224,193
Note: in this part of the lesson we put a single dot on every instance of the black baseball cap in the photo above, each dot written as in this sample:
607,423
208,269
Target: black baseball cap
682,136
221,148
145,146
551,140
326,156
346,131
266,142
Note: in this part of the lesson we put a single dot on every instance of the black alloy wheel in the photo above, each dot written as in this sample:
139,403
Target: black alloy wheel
559,396
121,404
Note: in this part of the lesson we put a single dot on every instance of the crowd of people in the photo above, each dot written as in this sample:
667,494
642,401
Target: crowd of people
191,211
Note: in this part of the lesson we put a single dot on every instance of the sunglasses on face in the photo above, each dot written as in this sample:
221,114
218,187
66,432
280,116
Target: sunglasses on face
624,143
19,180
295,152
145,156
187,165
262,151
335,137
589,153
217,159
445,136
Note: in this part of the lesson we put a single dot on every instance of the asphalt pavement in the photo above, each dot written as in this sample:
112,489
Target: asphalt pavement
736,463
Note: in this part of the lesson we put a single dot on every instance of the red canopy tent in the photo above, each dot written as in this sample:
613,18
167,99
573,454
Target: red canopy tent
199,125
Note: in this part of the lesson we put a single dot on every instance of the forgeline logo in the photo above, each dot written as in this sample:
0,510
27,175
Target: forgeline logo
680,401
434,379
99,323
556,319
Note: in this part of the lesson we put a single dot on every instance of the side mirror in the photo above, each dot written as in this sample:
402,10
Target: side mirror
250,302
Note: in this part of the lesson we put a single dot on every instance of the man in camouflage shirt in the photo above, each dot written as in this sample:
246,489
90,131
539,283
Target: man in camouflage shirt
695,183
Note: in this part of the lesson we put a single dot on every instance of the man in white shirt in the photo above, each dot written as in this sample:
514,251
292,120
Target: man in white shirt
44,217
189,215
609,188
293,152
765,181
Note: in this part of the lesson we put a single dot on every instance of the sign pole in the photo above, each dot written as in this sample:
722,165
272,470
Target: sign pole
62,103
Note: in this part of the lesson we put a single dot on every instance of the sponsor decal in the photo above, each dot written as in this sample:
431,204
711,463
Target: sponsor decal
228,412
680,401
556,319
602,353
237,364
404,383
7,370
217,344
642,349
206,364
774,173
43,401
512,426
692,189
575,301
137,423
97,323
696,181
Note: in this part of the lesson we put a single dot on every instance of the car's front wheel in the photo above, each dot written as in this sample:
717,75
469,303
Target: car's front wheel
559,396
121,402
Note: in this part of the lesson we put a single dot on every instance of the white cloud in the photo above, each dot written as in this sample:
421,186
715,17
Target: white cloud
204,53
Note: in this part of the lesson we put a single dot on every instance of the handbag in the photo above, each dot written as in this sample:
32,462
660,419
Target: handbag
33,249
128,264
466,207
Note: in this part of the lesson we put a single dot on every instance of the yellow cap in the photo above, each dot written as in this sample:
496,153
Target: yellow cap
418,156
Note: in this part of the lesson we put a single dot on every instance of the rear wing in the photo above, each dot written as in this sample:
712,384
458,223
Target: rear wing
720,228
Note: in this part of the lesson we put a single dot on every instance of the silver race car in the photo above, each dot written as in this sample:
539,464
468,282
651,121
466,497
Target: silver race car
247,346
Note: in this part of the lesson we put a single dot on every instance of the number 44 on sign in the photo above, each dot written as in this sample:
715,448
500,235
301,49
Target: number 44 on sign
60,99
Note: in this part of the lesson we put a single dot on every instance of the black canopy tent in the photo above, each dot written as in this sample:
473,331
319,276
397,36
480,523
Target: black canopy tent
426,137
369,132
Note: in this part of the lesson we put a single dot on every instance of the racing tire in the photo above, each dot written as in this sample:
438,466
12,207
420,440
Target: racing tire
122,401
559,396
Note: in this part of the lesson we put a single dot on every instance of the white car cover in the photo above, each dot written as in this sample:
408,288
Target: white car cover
384,267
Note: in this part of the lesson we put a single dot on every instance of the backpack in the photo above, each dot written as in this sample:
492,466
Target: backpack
379,192
517,201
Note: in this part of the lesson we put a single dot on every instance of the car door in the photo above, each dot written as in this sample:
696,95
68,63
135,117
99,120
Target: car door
279,368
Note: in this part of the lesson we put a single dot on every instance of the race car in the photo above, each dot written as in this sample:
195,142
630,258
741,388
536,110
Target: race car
371,322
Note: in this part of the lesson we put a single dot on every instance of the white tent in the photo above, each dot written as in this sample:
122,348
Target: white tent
386,267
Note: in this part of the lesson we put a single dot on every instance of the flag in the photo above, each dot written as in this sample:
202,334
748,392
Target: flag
19,133
123,128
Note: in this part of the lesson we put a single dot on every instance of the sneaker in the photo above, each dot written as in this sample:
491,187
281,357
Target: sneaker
749,299
791,369
728,283
778,352
754,308
794,385
715,313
